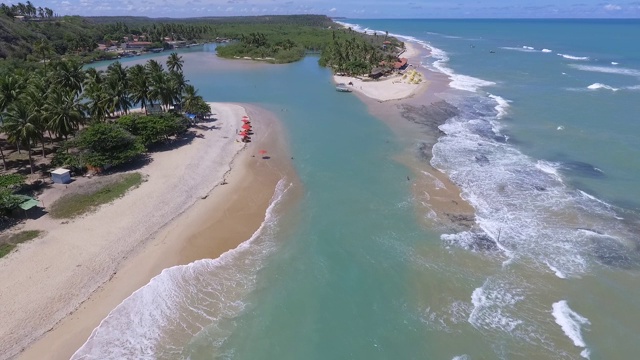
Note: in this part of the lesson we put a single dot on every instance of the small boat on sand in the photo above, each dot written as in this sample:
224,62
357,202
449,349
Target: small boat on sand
342,87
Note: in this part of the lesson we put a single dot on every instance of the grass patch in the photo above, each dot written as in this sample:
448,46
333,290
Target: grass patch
8,243
72,205
5,249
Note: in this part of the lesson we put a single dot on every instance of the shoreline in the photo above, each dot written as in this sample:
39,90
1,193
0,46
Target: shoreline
184,237
415,119
394,87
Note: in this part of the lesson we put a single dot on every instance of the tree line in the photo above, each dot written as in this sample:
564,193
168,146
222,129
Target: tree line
27,9
58,100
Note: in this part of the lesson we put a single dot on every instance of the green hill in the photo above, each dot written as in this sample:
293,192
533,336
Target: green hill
65,34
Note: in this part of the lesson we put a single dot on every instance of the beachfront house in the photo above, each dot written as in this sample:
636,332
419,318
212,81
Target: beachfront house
401,64
136,45
377,72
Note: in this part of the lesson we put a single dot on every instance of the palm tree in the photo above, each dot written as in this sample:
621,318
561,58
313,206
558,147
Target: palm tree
64,111
177,83
11,87
35,96
190,99
20,124
94,91
175,62
43,48
69,74
117,87
138,86
153,67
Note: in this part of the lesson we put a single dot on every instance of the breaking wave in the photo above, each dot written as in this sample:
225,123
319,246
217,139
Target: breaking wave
571,323
458,81
571,57
160,319
608,70
598,86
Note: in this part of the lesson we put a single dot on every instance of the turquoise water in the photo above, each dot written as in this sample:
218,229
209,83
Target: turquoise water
349,272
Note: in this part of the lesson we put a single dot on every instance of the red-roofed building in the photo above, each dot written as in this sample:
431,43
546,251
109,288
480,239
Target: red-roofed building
400,64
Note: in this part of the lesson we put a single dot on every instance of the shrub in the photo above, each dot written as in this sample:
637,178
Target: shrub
103,144
151,129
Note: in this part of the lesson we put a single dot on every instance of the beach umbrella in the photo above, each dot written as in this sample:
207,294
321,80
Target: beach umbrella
245,116
246,121
246,127
244,133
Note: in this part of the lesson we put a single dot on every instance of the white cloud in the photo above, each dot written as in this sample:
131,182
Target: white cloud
612,7
332,10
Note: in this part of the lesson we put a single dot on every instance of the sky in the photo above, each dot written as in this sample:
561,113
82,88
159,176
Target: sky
351,8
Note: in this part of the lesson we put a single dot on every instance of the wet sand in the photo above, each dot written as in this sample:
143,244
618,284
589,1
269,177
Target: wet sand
228,216
415,120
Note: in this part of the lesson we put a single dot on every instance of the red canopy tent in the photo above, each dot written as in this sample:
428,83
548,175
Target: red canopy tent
246,127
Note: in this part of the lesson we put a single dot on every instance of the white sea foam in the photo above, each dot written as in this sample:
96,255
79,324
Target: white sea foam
570,321
550,168
560,128
458,81
557,272
502,107
528,48
438,184
493,304
188,300
547,50
521,49
516,196
571,57
614,63
607,70
461,357
597,86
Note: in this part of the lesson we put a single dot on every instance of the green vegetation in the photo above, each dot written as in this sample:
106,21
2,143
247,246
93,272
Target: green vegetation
72,205
11,180
152,129
8,243
276,39
58,100
6,249
9,183
107,144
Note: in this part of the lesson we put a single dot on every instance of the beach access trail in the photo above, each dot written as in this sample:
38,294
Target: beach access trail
47,279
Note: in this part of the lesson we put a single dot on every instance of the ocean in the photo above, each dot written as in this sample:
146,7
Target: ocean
545,147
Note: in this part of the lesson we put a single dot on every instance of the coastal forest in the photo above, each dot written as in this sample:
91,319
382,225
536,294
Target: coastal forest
84,118
52,108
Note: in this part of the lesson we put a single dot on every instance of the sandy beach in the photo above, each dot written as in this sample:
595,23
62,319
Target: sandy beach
393,87
57,288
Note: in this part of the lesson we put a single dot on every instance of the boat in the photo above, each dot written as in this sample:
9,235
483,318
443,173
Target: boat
156,50
342,87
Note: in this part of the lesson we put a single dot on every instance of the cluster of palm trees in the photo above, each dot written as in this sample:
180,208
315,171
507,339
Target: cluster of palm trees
27,9
156,32
58,100
354,56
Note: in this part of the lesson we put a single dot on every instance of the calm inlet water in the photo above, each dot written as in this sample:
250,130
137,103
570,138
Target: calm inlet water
545,148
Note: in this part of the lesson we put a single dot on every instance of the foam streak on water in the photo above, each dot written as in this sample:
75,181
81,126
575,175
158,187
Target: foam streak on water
161,318
571,323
